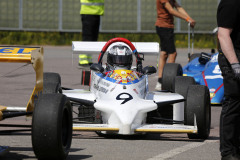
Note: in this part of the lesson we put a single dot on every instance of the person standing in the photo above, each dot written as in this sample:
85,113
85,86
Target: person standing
91,12
166,10
228,14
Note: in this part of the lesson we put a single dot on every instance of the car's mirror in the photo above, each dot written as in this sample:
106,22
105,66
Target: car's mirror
141,56
97,67
149,70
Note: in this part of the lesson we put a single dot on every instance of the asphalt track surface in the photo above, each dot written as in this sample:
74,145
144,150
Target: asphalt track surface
16,84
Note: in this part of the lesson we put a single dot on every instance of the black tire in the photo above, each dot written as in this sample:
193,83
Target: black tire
198,103
51,77
193,56
181,87
170,71
51,83
51,88
182,83
52,127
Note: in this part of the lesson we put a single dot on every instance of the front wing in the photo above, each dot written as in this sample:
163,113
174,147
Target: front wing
154,128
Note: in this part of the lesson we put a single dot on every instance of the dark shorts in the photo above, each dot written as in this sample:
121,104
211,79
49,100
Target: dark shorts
166,36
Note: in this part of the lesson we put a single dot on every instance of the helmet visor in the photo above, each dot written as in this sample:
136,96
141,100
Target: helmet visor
121,60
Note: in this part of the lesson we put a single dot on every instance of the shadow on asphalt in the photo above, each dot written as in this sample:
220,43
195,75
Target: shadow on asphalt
149,136
78,157
14,132
12,155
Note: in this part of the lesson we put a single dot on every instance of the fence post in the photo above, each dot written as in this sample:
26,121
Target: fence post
20,23
179,20
60,16
139,15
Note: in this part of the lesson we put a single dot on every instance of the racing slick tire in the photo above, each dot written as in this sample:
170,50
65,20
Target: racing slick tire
193,56
52,127
51,77
51,82
198,103
181,87
170,71
51,88
181,84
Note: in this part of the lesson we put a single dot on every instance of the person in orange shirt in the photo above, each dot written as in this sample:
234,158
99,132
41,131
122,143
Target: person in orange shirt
166,10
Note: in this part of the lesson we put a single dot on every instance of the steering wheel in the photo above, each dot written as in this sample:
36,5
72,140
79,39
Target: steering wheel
132,47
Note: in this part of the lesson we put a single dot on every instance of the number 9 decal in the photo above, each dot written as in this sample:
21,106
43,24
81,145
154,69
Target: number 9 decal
124,99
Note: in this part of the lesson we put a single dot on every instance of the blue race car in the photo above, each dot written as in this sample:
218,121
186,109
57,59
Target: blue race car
204,68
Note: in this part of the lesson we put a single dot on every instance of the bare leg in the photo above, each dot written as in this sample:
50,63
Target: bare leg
172,57
162,62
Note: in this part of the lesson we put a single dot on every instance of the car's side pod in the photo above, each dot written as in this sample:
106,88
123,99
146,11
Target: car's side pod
82,101
170,102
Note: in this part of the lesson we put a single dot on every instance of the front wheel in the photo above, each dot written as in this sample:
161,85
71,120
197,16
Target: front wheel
52,127
198,104
181,87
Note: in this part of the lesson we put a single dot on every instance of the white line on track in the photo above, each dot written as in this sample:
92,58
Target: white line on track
176,151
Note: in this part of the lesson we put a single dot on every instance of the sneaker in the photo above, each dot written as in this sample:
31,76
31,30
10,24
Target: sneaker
158,86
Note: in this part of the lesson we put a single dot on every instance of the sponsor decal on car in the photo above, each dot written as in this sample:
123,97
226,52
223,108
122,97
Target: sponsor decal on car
4,50
214,58
99,88
122,76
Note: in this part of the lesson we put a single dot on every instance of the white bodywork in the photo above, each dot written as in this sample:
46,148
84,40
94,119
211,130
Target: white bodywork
85,47
125,102
124,107
125,116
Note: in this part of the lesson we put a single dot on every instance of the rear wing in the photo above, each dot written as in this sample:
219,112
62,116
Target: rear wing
33,55
85,47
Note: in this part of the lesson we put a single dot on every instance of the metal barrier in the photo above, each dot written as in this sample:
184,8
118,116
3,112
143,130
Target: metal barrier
124,16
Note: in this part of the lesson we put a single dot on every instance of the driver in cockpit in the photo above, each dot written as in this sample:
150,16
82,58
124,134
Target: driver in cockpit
119,57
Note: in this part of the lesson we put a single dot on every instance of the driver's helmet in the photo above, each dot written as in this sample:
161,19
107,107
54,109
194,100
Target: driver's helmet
119,57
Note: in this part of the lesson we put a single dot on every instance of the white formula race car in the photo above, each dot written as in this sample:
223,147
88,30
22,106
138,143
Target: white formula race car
119,101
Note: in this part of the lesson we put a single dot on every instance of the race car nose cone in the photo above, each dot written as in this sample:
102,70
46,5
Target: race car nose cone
125,129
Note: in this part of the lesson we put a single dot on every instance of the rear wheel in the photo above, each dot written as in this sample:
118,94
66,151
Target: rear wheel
51,83
198,104
51,77
52,127
51,88
181,87
170,71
